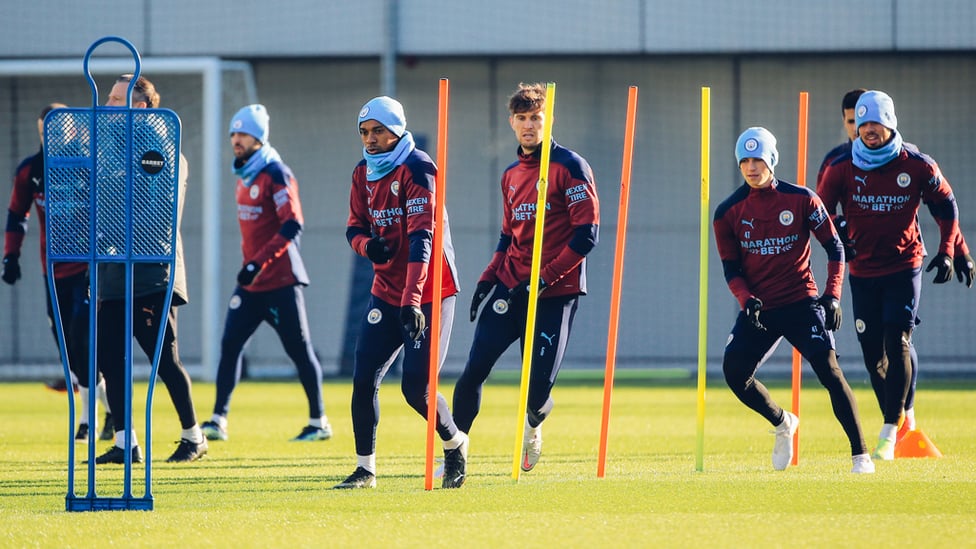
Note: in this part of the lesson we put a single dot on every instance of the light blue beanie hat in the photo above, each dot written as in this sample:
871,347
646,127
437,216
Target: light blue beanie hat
386,111
875,106
252,120
757,142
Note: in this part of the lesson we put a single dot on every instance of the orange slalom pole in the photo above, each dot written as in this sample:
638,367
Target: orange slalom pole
618,270
437,259
801,177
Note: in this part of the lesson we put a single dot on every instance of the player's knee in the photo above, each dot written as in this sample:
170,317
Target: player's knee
735,369
826,367
896,340
465,384
414,390
364,381
230,346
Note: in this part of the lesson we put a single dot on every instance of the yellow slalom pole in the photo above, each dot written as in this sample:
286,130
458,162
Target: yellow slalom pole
540,220
703,277
437,261
618,273
801,177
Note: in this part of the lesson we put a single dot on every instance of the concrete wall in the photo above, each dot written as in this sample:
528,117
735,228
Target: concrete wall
311,28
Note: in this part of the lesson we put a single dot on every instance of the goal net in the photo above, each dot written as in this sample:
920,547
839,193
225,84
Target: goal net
204,92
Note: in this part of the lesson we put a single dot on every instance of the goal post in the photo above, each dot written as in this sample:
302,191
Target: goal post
221,87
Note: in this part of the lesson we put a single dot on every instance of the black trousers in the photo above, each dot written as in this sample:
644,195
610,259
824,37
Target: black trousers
73,308
284,310
802,325
501,324
147,318
381,337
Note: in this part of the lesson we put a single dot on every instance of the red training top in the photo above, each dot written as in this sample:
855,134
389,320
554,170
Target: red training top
881,207
763,239
400,208
571,223
29,188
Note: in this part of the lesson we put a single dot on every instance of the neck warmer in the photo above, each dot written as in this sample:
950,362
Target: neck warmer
870,159
378,165
261,158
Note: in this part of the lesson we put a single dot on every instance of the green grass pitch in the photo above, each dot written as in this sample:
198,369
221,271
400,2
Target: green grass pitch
259,490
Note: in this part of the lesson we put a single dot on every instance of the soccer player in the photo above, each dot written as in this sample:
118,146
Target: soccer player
150,282
391,215
269,284
847,104
70,279
880,186
964,270
571,231
762,232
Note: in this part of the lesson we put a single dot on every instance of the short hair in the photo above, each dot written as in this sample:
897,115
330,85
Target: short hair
850,99
144,90
527,98
50,108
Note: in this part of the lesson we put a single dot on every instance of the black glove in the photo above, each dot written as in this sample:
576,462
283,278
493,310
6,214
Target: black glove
377,251
480,293
943,263
753,306
412,319
832,312
11,268
246,276
840,223
964,266
520,292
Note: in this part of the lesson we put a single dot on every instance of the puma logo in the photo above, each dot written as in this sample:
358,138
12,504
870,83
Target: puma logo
149,316
420,340
749,223
862,179
547,337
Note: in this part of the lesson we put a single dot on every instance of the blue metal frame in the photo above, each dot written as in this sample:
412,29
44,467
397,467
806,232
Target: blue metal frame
72,169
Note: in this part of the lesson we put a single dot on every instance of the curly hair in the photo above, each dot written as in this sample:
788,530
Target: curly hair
527,98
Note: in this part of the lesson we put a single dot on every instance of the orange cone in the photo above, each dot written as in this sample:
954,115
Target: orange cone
915,444
902,428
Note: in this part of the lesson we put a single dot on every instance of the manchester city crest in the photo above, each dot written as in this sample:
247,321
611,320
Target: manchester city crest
374,316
